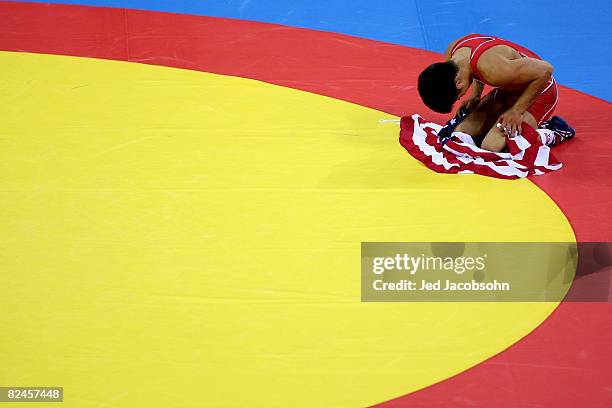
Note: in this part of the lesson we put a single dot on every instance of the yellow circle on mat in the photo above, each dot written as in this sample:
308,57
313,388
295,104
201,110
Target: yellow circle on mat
181,239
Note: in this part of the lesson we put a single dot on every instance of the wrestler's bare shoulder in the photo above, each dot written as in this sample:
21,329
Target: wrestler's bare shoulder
447,53
490,58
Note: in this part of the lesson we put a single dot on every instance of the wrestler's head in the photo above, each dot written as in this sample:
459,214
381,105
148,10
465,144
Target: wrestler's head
441,85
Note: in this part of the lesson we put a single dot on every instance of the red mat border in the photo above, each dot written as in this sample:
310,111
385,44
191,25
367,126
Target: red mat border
564,363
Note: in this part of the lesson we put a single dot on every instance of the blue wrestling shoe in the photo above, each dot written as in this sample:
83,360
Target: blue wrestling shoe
562,130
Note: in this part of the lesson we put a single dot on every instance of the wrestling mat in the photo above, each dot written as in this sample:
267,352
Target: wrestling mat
185,189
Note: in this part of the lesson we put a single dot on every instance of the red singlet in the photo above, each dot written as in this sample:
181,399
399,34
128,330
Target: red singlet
545,103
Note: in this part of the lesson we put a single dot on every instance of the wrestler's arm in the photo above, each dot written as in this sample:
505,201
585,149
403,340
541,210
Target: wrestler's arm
474,99
477,88
531,73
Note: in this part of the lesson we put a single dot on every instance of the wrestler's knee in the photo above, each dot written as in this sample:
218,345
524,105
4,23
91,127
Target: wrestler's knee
494,141
465,127
472,124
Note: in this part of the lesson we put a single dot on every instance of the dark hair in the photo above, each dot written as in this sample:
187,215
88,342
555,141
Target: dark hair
437,86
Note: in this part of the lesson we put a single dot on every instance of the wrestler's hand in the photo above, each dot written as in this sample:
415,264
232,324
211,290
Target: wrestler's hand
511,122
469,103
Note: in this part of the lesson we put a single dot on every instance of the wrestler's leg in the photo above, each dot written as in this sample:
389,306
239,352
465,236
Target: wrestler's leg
543,106
484,116
495,139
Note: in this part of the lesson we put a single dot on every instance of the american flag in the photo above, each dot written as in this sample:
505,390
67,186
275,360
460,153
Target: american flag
525,155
